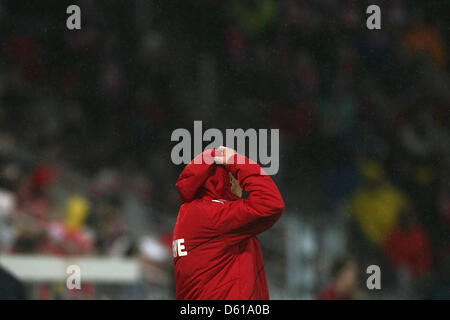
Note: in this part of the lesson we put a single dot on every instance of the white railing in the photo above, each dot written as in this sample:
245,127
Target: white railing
41,268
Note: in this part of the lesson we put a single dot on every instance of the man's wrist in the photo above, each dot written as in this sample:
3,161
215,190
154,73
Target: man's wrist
239,161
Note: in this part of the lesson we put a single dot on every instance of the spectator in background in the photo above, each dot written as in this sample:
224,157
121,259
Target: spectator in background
255,17
377,205
344,281
408,245
422,39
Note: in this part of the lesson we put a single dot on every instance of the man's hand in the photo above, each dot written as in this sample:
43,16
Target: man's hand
223,155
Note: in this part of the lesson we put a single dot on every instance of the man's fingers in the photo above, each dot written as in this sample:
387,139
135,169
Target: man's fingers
223,154
221,151
218,160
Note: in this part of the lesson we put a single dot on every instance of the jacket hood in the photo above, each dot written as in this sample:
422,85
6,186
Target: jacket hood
202,178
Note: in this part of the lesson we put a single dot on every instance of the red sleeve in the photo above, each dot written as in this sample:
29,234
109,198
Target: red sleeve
260,211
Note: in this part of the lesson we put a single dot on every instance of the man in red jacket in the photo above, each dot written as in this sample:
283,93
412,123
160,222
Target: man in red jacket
215,246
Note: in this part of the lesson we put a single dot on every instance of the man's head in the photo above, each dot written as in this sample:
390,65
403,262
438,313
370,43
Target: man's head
206,178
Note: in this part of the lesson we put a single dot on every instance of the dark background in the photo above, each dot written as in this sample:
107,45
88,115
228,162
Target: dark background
87,115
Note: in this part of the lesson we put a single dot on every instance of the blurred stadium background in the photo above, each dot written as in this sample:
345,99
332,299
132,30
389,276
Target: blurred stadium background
86,118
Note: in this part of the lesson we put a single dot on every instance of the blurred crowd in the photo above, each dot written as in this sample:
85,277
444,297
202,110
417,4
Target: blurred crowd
86,118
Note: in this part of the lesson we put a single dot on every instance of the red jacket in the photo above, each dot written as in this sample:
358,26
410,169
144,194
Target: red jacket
410,248
330,293
216,250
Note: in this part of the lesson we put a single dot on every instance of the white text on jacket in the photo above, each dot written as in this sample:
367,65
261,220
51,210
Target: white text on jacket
178,248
